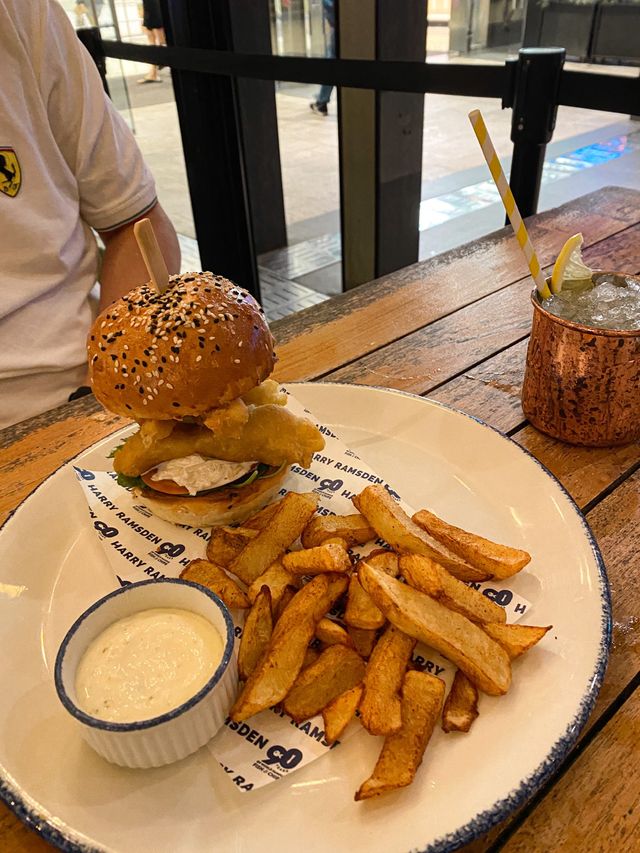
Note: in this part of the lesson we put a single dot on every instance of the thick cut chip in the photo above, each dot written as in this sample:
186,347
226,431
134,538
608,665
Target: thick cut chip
501,561
393,524
217,580
331,634
339,712
226,543
402,752
256,634
424,574
316,561
337,586
453,635
337,669
380,712
287,595
354,529
461,705
272,435
385,560
363,640
261,518
311,656
278,579
361,612
294,511
337,540
516,639
278,668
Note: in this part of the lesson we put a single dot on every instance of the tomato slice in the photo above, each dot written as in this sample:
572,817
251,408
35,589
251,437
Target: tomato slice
167,487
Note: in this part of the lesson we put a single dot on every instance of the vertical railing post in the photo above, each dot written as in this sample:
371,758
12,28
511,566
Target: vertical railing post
92,40
380,142
535,105
213,144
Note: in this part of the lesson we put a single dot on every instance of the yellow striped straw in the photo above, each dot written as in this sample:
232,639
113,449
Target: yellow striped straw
509,202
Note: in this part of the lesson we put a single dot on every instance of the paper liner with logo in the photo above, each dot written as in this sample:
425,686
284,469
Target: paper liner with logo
139,546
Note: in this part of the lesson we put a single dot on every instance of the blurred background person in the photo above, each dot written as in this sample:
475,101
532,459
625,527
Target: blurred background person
320,105
70,166
154,28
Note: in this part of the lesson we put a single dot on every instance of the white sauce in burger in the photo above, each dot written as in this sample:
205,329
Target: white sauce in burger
147,664
197,473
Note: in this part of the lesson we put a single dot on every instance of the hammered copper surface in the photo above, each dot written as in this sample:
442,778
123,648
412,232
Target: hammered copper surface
582,385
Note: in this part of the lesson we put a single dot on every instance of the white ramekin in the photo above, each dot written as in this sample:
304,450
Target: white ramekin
178,733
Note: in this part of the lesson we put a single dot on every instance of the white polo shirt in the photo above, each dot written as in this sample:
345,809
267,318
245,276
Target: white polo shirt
68,163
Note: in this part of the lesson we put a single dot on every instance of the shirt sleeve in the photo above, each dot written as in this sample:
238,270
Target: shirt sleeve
115,185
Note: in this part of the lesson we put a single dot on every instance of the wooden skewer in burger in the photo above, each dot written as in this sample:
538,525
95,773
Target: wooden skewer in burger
188,357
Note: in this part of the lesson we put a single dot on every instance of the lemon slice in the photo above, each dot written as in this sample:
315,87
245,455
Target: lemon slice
569,265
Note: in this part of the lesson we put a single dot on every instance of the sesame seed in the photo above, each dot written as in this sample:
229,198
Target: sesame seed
236,361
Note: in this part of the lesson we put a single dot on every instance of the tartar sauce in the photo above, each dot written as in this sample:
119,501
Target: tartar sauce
197,473
147,664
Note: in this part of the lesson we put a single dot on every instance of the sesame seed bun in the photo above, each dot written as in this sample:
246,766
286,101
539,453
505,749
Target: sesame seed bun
195,347
224,506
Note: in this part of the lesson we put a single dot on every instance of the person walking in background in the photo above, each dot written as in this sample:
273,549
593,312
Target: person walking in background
324,95
153,26
69,167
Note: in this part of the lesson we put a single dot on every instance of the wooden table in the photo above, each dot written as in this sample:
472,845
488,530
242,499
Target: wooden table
455,328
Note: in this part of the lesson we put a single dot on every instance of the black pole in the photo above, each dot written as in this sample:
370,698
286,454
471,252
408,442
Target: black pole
535,106
212,142
92,40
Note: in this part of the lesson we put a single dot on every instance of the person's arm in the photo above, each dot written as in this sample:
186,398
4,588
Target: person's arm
122,264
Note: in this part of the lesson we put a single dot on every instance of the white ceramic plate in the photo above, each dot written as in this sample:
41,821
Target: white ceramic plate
52,567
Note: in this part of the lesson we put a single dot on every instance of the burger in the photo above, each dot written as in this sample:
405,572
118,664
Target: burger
191,365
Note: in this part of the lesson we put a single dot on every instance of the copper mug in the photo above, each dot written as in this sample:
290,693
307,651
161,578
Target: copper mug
581,384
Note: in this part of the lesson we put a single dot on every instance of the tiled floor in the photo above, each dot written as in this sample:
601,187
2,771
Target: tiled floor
279,295
589,149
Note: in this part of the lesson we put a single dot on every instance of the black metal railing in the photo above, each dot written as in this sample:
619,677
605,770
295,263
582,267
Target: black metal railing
533,85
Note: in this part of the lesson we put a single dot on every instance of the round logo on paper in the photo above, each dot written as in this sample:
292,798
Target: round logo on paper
104,529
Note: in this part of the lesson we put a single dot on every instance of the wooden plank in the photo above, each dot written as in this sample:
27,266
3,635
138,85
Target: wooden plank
594,806
324,337
32,450
490,391
585,472
431,355
616,525
16,838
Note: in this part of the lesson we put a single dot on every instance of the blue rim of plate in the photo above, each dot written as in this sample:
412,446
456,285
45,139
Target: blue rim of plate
481,823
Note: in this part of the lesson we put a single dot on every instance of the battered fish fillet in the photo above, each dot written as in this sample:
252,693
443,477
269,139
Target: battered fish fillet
267,392
272,434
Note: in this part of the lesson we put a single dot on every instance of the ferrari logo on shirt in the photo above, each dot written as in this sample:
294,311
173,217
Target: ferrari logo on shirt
10,174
